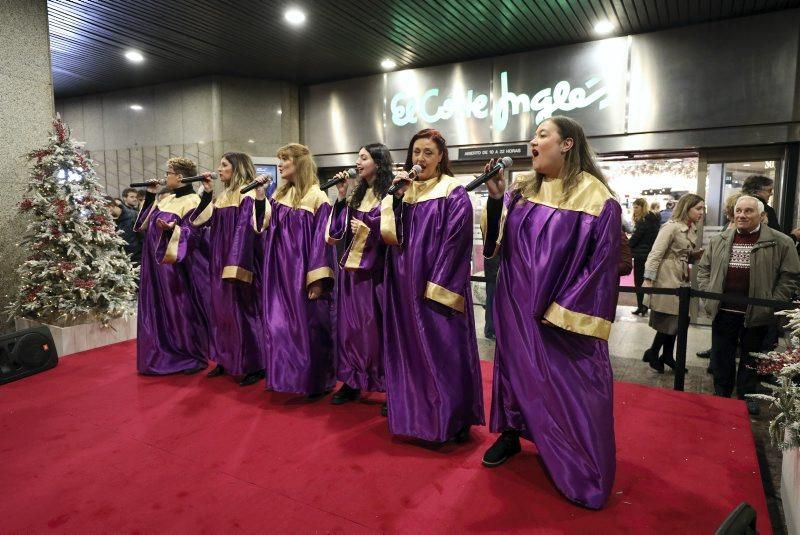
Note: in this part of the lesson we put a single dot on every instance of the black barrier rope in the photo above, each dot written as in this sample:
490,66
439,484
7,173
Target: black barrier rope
685,295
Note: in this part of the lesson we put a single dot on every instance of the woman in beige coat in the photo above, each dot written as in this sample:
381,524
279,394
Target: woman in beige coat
667,266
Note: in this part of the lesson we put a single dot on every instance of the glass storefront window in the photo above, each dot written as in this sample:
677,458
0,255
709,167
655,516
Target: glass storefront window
726,179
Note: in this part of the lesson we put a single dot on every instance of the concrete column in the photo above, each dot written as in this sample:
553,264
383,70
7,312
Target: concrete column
26,111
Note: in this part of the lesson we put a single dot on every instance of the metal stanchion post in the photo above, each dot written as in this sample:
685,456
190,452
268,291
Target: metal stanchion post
684,298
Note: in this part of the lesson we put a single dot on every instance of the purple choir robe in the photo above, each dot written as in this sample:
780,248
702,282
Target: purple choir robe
554,383
359,283
298,330
172,325
433,377
236,331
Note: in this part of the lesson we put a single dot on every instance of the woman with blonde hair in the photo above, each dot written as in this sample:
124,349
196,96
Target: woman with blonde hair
237,341
641,241
297,280
558,236
667,266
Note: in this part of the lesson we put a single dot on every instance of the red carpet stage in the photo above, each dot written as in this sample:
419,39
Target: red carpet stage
92,447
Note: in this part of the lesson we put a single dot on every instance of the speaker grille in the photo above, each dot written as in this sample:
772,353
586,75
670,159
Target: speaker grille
32,350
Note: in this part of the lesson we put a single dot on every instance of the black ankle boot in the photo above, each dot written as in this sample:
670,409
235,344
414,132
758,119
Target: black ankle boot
670,361
252,378
657,365
503,449
345,394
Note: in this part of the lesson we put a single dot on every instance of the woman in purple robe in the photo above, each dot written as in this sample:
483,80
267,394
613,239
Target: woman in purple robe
172,325
359,351
237,339
558,233
433,377
298,279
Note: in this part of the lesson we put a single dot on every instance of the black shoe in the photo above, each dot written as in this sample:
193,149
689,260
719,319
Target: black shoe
671,363
644,311
752,407
216,372
489,336
637,311
192,371
252,378
385,410
649,356
462,435
704,354
504,447
345,394
657,365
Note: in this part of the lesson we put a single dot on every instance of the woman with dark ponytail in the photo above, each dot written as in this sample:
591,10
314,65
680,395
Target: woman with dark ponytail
359,360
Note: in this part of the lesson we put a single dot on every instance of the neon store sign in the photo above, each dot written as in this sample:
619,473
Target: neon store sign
408,109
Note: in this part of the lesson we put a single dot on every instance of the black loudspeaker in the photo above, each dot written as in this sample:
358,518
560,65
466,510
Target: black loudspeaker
742,521
24,353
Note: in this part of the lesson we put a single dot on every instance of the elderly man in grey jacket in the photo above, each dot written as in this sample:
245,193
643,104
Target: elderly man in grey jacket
749,260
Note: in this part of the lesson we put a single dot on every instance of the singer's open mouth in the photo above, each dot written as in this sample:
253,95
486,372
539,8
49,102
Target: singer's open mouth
534,153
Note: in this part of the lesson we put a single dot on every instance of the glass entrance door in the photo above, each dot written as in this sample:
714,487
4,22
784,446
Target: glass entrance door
726,179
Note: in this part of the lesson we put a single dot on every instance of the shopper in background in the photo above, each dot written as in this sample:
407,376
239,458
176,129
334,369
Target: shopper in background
751,260
131,198
666,213
667,266
761,187
641,242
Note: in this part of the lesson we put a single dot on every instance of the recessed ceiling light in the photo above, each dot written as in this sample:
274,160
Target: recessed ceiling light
746,165
294,16
603,27
136,107
134,56
388,64
251,140
280,112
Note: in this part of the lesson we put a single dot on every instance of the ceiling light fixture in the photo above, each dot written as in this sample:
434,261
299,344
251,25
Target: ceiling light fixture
603,27
388,64
280,112
294,16
251,140
136,107
134,56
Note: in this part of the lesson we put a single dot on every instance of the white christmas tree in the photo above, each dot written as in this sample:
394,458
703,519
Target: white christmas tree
77,270
784,428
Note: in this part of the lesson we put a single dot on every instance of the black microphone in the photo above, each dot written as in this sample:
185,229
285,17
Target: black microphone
411,176
261,180
198,178
502,163
339,177
154,182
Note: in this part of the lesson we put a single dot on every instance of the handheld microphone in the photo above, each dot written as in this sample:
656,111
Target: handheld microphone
502,163
261,180
339,177
416,170
154,182
198,178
